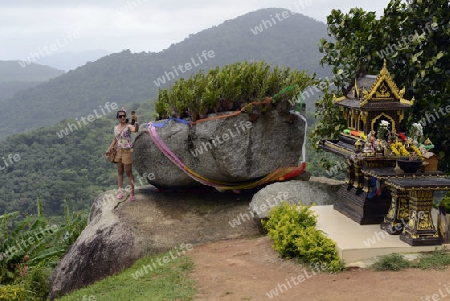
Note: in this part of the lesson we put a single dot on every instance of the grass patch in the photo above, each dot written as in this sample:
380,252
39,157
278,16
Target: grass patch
392,262
170,281
438,260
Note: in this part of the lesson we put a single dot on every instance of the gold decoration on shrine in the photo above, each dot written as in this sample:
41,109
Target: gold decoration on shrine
384,87
384,115
364,116
338,99
401,115
383,91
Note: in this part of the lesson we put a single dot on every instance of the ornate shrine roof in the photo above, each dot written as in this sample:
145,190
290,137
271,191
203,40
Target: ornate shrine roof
375,93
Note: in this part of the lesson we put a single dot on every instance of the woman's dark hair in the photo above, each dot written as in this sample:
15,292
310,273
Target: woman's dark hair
117,115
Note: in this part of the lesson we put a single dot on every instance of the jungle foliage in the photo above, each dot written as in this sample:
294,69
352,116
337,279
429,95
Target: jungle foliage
30,247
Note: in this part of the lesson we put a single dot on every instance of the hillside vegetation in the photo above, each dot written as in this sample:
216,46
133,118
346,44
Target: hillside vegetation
136,77
12,71
14,77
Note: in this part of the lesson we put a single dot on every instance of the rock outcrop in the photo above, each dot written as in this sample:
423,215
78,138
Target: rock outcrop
293,192
119,232
230,149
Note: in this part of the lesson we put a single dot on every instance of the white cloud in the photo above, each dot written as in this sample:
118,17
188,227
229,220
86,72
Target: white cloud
138,25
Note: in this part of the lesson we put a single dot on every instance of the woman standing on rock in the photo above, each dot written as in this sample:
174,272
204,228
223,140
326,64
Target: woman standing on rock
124,156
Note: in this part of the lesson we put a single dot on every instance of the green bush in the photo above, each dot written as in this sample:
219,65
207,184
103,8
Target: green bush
285,224
438,259
230,88
446,202
292,231
37,281
315,247
392,262
13,293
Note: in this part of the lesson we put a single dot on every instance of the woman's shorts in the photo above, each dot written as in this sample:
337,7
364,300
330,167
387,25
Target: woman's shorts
124,156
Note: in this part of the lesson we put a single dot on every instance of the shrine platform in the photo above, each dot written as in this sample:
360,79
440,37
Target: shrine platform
359,245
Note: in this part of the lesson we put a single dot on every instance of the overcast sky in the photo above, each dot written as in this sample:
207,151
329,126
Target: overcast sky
51,26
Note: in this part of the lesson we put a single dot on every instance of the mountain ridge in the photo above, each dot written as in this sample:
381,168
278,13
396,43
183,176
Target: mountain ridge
70,60
12,71
14,77
127,77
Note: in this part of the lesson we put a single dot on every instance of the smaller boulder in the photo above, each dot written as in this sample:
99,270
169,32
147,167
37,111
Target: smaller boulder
293,192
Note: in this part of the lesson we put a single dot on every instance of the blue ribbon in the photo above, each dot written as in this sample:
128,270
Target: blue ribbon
160,125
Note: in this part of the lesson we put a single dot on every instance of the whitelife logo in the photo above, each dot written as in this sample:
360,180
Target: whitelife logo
216,142
187,66
282,287
71,127
47,50
265,24
181,250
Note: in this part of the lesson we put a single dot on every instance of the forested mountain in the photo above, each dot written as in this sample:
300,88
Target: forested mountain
14,77
71,60
8,89
12,71
127,78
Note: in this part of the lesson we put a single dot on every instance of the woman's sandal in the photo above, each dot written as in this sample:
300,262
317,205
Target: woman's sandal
120,196
132,198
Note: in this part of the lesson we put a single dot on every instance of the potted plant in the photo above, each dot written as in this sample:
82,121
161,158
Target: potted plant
383,129
443,223
411,164
416,132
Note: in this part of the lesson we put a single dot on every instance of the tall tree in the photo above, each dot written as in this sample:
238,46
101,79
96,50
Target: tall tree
413,37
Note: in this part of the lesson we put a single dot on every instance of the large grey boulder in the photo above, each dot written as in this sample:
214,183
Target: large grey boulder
119,231
293,192
104,247
230,149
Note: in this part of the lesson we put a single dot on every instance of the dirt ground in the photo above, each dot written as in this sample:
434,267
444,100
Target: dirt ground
248,269
238,263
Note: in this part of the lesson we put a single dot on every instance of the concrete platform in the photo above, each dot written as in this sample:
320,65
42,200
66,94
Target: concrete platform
359,245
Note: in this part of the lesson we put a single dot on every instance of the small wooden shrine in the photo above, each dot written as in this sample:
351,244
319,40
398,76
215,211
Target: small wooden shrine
373,108
372,99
